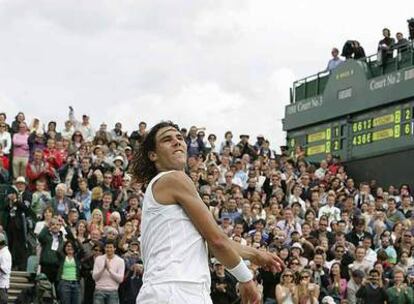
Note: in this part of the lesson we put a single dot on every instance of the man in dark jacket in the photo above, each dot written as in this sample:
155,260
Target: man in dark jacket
15,215
372,291
223,286
269,281
385,46
357,235
323,231
137,136
51,242
245,147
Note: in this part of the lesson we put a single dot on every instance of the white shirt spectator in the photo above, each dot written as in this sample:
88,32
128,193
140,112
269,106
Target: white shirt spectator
351,291
242,176
6,142
105,280
5,267
298,199
334,63
320,173
87,131
370,257
67,134
364,266
357,198
331,212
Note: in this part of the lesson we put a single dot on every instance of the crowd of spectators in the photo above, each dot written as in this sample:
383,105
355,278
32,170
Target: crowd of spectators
72,205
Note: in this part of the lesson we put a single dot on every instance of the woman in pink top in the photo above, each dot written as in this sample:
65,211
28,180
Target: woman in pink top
337,286
20,151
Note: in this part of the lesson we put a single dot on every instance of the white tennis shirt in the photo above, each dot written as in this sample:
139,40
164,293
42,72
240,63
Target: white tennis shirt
172,248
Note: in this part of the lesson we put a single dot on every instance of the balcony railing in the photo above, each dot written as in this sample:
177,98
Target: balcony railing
314,85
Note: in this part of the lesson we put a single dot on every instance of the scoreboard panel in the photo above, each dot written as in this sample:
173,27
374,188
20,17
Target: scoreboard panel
382,131
320,140
357,136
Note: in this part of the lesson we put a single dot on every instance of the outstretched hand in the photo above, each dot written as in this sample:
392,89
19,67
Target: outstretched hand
268,260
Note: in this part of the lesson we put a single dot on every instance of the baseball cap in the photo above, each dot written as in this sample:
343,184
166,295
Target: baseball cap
21,180
298,246
120,158
226,217
328,300
134,241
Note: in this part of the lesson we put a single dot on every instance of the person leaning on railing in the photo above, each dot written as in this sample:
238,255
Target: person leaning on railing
335,61
402,44
385,46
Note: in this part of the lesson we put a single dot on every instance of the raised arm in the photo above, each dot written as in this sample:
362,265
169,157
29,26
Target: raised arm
72,117
177,188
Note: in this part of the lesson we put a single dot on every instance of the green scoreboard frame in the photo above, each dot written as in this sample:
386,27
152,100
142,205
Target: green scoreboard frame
365,134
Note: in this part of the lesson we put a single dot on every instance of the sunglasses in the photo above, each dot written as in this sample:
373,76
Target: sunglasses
304,277
288,275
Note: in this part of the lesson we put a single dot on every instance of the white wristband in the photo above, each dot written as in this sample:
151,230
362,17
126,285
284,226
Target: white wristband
241,272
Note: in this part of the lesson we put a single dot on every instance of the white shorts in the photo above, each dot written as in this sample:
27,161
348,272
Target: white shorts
174,293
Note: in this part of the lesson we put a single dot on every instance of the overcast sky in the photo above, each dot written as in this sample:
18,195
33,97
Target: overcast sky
216,64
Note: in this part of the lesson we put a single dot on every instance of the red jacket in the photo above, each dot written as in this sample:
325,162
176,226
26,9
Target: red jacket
5,161
41,171
53,157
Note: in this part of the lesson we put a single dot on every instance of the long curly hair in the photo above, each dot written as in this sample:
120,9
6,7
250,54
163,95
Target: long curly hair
142,168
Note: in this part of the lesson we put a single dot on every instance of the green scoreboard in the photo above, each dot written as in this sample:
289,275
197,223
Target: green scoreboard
321,139
360,113
362,135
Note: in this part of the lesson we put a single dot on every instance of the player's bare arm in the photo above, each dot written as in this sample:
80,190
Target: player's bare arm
177,188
